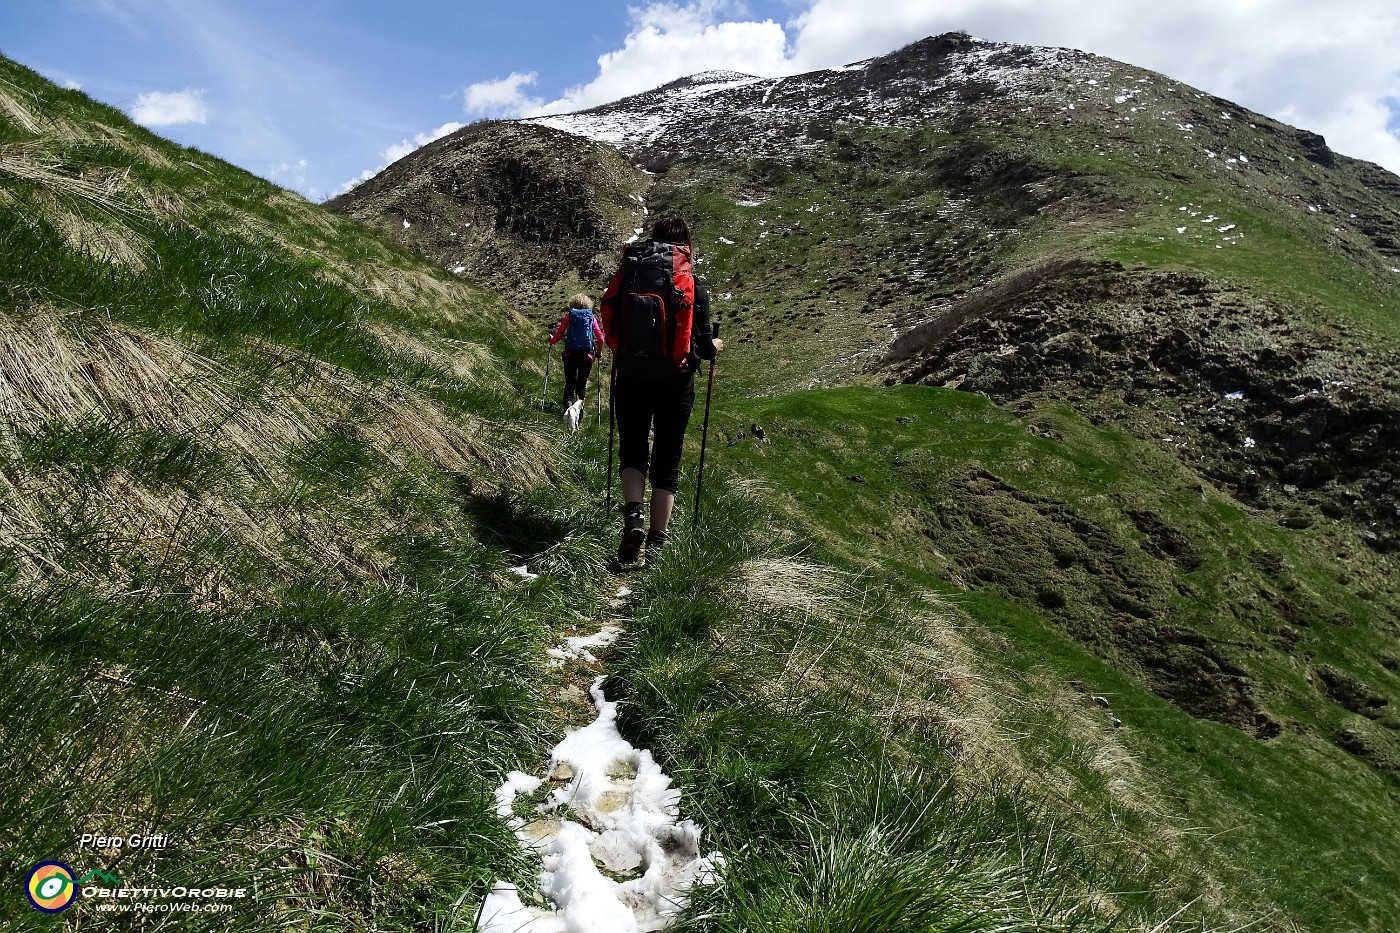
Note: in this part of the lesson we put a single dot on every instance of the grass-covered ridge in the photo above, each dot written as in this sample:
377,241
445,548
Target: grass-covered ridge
262,476
1057,544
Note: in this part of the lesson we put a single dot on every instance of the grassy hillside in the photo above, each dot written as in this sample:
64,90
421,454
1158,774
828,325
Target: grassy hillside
262,479
1048,527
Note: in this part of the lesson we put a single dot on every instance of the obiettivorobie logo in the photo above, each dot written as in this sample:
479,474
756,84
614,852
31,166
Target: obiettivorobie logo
51,887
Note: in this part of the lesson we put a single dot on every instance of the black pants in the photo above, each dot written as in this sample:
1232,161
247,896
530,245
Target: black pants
657,407
577,366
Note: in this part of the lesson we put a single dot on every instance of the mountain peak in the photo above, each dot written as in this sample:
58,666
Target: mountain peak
713,76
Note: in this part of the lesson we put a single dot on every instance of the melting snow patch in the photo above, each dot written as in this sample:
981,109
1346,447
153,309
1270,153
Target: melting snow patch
726,241
1235,396
524,573
459,269
1180,229
1248,442
406,224
1226,228
627,823
578,647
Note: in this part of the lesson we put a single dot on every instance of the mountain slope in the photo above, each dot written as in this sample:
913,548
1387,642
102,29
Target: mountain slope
262,476
1198,299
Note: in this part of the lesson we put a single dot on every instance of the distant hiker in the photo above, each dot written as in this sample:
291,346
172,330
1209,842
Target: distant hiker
657,319
581,335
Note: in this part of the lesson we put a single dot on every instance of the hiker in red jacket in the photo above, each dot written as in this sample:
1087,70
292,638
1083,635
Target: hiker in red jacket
657,320
582,336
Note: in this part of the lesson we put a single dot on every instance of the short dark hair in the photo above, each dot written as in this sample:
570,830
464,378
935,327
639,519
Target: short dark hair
671,229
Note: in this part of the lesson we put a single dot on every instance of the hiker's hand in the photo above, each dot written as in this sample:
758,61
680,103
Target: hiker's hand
719,344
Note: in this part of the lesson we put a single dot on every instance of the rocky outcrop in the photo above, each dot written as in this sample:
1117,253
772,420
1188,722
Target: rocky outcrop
526,209
1278,407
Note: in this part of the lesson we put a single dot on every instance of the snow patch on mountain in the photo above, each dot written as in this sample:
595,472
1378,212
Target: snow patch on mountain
773,116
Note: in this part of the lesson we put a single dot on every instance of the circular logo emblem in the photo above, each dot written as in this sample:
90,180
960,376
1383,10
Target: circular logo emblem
51,887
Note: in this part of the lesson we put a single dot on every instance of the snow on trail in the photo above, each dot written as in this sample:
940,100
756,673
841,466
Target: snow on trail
578,647
610,813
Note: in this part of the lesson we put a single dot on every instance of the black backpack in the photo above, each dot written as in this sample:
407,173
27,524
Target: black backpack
648,309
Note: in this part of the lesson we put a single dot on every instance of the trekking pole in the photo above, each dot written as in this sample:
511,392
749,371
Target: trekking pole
612,425
704,436
600,402
549,361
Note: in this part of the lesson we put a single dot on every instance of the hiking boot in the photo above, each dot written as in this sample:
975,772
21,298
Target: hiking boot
633,534
656,540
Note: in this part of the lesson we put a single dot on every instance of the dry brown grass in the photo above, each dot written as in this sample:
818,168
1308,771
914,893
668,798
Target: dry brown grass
55,372
470,362
87,211
786,583
923,672
13,106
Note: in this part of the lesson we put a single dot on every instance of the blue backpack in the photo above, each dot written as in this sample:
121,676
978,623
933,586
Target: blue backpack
579,336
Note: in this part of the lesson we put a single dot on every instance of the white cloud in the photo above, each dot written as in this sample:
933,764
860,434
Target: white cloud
290,174
502,98
168,108
1357,127
670,41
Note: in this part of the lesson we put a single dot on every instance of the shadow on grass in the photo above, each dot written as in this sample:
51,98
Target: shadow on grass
514,525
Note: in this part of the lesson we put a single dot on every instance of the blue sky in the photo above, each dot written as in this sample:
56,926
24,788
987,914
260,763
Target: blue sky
314,94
